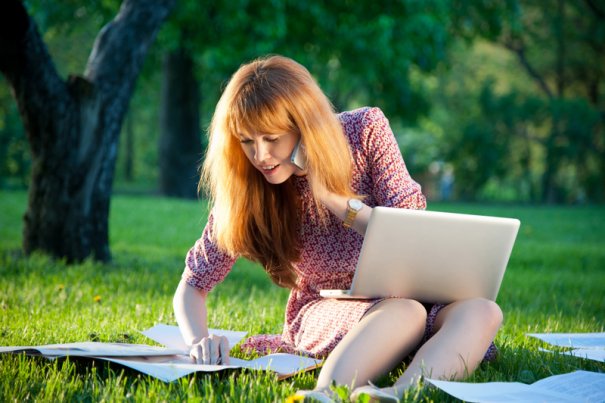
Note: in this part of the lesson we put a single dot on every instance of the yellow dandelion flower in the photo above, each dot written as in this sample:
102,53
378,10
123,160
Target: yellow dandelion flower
295,399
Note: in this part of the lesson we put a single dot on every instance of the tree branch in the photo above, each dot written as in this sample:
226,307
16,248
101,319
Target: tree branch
113,66
519,50
28,67
120,47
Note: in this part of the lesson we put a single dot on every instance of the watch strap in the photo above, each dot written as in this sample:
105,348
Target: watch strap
351,214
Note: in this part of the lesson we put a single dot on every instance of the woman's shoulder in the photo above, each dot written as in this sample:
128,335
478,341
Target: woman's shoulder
361,116
360,123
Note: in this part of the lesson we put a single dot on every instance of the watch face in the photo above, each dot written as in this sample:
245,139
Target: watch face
355,204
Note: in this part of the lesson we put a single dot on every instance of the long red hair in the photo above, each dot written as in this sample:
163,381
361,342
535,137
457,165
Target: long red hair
252,217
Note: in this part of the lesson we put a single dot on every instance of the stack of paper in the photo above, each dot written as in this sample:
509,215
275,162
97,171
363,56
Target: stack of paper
172,361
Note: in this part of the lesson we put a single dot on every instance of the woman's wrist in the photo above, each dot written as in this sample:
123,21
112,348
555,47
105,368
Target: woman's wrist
339,206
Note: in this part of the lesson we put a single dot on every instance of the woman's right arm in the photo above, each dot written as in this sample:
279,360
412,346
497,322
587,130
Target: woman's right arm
190,310
205,266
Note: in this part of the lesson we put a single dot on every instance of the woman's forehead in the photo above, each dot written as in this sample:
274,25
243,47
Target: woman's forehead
263,127
270,116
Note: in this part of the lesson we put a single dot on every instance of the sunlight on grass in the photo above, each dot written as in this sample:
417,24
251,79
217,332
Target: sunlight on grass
554,283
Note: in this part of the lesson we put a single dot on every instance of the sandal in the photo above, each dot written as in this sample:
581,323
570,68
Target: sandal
375,394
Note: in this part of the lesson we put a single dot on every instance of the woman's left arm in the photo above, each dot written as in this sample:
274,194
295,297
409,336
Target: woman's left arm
392,184
337,204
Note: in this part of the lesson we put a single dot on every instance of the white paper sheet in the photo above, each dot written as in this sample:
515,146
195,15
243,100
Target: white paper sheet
170,336
578,386
281,363
166,368
590,354
171,362
573,340
585,345
93,349
169,369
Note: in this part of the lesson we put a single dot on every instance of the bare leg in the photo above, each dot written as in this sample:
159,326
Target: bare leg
386,333
465,329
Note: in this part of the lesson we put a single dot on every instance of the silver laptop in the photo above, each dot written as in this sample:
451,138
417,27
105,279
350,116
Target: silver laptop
431,256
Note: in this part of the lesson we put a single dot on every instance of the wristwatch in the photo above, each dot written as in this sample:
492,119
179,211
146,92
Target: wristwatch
354,206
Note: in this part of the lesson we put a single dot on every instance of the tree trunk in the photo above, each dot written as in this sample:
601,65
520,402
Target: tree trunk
180,139
73,127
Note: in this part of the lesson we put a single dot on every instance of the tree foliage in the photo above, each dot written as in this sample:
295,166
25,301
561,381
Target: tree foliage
535,128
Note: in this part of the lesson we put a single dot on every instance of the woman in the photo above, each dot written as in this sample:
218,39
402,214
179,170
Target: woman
305,226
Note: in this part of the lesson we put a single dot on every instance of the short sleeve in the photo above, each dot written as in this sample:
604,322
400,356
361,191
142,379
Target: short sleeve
206,265
392,185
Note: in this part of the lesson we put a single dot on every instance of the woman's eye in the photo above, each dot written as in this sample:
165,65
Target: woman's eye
272,139
245,141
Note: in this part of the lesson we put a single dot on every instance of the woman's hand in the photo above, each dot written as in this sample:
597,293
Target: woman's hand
211,350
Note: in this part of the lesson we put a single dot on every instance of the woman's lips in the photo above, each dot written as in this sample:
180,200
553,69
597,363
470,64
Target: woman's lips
269,169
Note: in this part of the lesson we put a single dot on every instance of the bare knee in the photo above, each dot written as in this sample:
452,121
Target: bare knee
402,312
487,312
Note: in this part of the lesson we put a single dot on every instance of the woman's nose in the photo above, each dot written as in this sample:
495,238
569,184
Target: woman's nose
260,152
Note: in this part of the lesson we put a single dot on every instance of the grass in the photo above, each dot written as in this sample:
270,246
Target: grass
555,283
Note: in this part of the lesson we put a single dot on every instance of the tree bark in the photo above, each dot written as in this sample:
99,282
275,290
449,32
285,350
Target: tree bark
180,142
73,126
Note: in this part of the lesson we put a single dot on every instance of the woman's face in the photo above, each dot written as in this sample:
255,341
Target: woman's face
270,154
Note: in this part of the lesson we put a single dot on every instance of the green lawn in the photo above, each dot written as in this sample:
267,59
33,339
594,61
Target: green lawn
555,283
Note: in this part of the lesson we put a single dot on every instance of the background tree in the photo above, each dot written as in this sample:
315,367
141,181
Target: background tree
563,52
201,45
519,114
73,125
362,53
180,144
438,68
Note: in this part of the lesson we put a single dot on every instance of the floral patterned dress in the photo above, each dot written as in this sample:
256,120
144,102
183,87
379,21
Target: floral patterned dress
329,253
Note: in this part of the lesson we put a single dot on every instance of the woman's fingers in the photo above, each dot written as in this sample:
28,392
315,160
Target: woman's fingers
206,351
196,353
211,350
224,350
